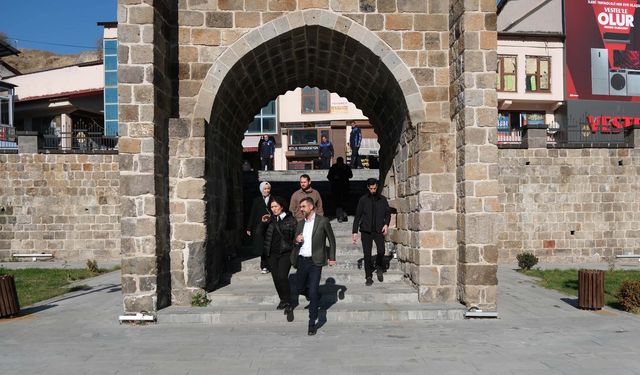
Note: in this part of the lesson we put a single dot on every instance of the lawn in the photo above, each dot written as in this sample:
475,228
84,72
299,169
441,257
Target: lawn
38,284
566,281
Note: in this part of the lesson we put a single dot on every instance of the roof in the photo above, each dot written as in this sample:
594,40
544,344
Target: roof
7,85
7,50
10,68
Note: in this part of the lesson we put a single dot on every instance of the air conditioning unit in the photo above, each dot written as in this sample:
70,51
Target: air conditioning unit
618,82
633,82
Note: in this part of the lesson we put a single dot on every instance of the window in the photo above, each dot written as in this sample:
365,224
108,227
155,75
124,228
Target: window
506,78
110,54
315,100
538,73
311,136
265,121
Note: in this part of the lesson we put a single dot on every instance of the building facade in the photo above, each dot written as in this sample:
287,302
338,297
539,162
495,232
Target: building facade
298,119
567,135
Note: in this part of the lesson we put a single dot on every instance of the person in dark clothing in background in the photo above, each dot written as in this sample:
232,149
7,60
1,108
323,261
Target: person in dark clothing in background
339,175
326,152
372,218
279,237
266,150
355,139
260,207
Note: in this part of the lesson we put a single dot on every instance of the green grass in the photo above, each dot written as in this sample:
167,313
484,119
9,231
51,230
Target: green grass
566,281
38,284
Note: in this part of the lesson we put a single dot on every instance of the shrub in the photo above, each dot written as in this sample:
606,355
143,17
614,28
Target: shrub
92,266
526,261
629,295
200,299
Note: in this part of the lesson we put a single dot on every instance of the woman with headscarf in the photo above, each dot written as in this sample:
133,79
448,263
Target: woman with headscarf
279,235
260,207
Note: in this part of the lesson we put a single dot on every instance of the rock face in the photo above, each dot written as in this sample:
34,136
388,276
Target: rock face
34,60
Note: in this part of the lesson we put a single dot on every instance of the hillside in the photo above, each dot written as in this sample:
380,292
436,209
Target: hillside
33,60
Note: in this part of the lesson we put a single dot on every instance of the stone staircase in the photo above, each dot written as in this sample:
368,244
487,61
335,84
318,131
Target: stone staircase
250,296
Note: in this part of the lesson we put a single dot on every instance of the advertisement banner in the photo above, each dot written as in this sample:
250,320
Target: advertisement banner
602,50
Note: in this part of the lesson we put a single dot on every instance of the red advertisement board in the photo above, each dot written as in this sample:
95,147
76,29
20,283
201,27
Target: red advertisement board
602,50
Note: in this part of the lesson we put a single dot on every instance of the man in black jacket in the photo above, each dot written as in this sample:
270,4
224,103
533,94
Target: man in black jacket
372,218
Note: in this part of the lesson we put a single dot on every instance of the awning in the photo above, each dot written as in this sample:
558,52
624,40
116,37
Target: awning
369,147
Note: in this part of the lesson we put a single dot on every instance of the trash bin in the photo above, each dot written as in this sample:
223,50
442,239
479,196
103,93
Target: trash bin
590,289
9,305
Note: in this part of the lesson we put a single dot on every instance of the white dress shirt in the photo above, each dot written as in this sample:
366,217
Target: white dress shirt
307,232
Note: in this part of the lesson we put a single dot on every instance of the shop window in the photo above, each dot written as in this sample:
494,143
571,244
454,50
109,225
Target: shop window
265,121
538,73
315,100
303,137
506,78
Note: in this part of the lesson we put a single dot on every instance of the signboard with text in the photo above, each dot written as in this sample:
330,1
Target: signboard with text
602,50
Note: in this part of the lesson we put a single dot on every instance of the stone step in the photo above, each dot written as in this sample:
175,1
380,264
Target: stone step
348,263
339,312
330,294
340,276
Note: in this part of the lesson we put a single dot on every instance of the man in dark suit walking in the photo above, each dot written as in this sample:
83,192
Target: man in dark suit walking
311,254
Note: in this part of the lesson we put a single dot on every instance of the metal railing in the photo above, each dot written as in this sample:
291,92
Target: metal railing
78,141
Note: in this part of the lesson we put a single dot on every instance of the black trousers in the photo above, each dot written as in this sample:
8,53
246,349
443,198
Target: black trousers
266,164
367,245
326,162
308,277
355,158
279,265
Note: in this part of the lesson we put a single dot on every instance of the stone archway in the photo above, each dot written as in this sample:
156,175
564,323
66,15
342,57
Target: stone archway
425,91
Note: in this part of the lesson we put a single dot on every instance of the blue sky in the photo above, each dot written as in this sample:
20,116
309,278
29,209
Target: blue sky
32,23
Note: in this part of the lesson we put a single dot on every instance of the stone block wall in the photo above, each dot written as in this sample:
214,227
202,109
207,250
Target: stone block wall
67,205
569,205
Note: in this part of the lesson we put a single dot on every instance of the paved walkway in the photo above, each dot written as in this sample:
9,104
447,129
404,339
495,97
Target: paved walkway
538,332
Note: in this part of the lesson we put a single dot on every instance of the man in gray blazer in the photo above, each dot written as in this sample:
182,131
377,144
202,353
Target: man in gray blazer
311,254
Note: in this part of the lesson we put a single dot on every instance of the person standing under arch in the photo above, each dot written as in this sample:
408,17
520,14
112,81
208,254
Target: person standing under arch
339,175
305,191
260,207
355,140
326,152
266,151
279,236
311,254
372,219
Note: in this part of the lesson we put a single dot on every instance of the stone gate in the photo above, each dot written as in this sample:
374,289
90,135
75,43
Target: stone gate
194,72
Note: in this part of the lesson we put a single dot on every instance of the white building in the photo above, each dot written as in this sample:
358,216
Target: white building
298,119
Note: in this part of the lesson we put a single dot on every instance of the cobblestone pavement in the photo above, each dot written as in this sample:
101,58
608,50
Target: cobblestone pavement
538,332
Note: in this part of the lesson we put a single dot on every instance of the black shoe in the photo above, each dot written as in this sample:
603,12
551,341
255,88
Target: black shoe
281,305
380,274
369,281
312,330
288,311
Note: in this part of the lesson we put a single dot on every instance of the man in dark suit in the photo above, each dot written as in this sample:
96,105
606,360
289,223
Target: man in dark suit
311,254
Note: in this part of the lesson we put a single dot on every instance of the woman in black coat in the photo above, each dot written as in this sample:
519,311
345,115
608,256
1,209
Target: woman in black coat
279,235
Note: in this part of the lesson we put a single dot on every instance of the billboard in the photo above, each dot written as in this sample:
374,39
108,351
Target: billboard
602,50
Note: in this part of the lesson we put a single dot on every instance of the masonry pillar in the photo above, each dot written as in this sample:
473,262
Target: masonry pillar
187,207
473,45
145,104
